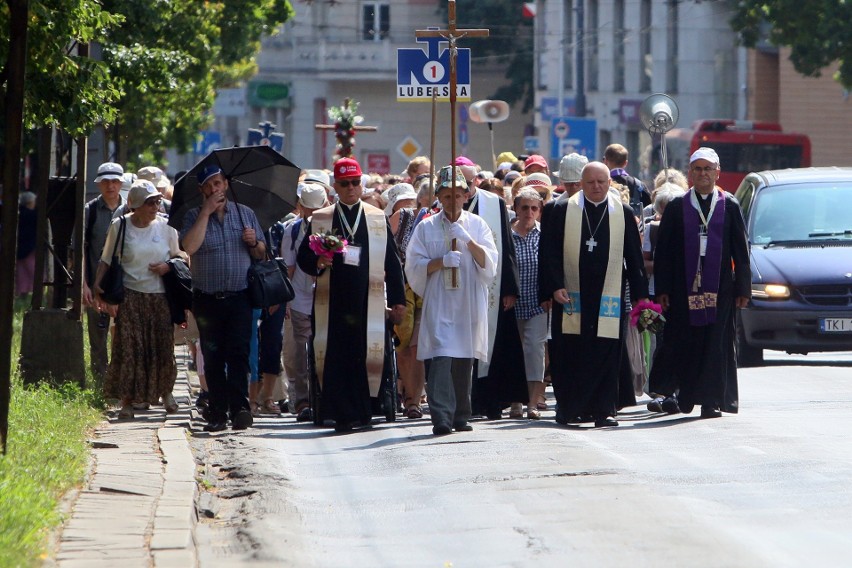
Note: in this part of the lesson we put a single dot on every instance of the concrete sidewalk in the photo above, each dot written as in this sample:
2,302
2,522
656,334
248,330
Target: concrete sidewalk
138,506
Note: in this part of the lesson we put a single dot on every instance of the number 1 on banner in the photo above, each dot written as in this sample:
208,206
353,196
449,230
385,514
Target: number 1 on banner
433,71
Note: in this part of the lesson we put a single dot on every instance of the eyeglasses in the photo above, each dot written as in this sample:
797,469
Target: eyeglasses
704,170
347,182
530,207
154,201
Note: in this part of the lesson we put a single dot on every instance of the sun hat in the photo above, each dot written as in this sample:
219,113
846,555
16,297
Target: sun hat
140,191
705,153
155,175
109,170
397,193
571,167
538,180
313,196
445,179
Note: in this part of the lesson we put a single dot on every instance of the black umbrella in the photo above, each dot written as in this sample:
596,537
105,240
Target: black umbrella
260,178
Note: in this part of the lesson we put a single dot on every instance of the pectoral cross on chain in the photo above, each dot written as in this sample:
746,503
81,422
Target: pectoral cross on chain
591,243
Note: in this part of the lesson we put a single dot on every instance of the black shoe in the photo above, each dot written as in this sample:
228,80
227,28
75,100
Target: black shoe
441,430
670,406
203,400
656,405
305,415
606,422
494,414
342,426
463,428
215,426
710,412
561,418
242,420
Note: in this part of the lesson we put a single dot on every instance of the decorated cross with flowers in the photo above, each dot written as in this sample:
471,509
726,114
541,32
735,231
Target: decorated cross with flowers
346,124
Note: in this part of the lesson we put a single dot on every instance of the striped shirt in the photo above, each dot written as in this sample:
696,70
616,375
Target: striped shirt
221,262
526,252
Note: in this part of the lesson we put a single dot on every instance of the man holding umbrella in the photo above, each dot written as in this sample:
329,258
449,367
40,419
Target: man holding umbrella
221,239
350,338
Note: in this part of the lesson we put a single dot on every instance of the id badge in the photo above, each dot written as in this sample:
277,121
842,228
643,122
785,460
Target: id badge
702,245
352,256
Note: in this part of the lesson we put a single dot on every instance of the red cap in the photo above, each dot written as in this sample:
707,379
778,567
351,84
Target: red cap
537,160
346,168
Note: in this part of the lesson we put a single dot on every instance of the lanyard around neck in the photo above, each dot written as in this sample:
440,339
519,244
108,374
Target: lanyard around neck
350,229
705,221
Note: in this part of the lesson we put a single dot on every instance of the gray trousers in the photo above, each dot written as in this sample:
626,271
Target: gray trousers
448,388
98,345
297,333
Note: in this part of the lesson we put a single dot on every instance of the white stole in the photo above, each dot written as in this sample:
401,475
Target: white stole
489,210
609,315
321,222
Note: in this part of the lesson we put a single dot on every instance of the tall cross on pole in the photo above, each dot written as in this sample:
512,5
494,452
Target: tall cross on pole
354,127
452,34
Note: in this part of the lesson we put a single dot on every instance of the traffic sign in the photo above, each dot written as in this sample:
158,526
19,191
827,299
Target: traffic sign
570,134
409,148
210,140
531,145
421,73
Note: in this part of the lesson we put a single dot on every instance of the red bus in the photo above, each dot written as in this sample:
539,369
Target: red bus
743,146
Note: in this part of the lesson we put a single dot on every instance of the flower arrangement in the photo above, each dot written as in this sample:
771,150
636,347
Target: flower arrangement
327,245
345,119
647,316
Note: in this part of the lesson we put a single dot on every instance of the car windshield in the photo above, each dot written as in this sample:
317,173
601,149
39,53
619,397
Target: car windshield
802,212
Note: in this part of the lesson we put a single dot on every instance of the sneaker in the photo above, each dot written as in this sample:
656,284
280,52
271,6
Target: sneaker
242,420
305,415
170,404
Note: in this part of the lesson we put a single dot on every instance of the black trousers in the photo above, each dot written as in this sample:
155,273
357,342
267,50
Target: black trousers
225,327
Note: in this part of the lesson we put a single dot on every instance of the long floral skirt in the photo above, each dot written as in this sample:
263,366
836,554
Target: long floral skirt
142,367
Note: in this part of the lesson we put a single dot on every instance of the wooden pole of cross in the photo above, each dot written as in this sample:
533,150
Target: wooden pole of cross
452,34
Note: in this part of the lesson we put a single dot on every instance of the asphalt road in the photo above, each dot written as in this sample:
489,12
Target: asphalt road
771,486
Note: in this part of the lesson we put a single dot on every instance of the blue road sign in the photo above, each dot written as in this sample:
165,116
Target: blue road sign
531,145
419,73
570,134
549,107
210,140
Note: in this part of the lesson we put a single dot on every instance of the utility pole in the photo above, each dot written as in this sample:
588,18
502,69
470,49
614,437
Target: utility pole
580,102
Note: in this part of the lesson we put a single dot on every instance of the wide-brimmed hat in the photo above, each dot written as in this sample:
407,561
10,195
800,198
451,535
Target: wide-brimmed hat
313,196
538,180
140,191
396,194
109,170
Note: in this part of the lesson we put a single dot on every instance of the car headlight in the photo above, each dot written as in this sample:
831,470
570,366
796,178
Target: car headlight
770,291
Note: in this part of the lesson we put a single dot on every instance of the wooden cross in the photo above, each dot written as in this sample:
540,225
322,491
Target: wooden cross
355,127
452,34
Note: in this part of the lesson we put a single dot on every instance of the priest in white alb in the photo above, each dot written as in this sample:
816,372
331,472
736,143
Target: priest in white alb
592,248
454,288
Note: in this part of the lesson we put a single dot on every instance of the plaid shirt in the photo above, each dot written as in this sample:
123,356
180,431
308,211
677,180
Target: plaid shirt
221,262
526,252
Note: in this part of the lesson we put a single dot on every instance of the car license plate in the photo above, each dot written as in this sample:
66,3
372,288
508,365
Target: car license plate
835,325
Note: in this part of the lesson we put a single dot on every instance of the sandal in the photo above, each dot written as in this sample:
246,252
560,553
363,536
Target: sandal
533,414
255,409
126,412
413,412
271,407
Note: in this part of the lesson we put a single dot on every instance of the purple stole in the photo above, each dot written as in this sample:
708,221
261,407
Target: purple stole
702,280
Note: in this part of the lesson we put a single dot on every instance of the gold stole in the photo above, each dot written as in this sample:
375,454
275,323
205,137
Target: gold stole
489,210
609,315
321,222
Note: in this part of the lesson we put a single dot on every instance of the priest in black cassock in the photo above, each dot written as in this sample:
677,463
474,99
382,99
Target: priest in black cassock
701,275
589,247
350,339
502,380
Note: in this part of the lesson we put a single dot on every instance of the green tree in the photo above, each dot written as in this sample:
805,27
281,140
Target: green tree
510,42
817,32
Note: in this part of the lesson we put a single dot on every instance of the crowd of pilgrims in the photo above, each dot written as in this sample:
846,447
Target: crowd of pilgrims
496,285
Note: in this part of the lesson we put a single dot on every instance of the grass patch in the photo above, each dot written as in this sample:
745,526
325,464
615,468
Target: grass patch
47,455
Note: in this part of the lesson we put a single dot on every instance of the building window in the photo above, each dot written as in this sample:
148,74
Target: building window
376,21
592,34
672,25
567,44
646,67
619,37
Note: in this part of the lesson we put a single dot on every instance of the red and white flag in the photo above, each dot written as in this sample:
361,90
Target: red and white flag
529,10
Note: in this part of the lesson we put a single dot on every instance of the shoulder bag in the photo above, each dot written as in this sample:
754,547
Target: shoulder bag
112,282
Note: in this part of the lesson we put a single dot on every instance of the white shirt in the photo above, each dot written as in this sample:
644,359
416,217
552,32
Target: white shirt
454,323
303,284
155,243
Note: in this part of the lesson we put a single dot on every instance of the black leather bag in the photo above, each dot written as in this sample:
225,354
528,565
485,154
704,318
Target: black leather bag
268,284
112,282
178,284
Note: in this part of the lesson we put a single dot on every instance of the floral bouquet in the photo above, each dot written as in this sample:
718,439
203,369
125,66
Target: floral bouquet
345,119
647,316
327,245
